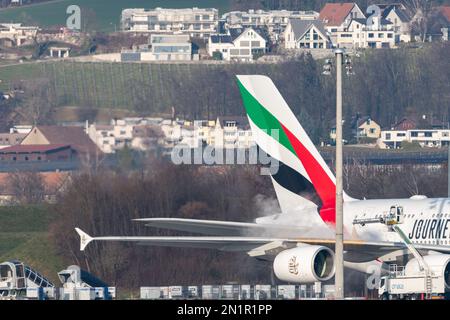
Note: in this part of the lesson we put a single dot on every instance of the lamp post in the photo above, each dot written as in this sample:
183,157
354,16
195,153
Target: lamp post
339,247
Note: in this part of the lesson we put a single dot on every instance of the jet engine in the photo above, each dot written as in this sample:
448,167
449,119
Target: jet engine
306,264
438,263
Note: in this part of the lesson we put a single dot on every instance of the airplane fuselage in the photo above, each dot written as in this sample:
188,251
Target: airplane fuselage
426,220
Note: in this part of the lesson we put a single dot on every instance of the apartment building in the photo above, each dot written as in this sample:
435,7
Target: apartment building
359,34
275,21
196,22
393,139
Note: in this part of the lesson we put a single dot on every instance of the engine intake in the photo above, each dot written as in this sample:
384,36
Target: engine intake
307,264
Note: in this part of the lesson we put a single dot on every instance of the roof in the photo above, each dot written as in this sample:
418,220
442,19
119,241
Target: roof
74,136
334,14
236,32
363,119
445,11
401,13
221,38
300,27
34,148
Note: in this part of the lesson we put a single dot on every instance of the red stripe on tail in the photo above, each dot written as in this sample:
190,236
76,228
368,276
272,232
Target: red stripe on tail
323,184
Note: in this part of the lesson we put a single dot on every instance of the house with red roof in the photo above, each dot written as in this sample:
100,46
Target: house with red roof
337,16
349,27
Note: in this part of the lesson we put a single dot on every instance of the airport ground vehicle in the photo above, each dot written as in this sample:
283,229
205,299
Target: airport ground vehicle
401,284
423,276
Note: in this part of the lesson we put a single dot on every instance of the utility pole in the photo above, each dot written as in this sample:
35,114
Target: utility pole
448,172
339,248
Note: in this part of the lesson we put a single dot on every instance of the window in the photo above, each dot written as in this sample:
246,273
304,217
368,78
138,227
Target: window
414,134
197,26
372,130
401,134
315,35
245,43
388,136
39,158
381,35
371,35
428,134
205,17
390,35
197,18
26,158
256,44
234,52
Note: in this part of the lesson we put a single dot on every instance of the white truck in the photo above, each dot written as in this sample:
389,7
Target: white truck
412,284
424,277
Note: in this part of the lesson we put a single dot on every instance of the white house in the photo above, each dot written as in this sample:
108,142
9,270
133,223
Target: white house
358,34
306,34
337,17
239,45
162,47
400,19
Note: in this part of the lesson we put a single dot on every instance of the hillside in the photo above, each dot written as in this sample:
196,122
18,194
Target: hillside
24,236
105,12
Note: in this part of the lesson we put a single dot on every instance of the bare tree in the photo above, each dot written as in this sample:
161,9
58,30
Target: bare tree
27,187
420,11
38,100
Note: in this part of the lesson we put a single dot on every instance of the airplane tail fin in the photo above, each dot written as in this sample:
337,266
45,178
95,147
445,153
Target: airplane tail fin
85,239
302,171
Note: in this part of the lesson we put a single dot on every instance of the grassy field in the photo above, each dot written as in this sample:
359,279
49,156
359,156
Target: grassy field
113,86
24,236
107,12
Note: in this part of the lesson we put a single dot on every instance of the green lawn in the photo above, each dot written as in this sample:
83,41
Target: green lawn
107,12
24,236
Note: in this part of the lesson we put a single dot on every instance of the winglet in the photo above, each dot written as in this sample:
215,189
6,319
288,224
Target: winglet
85,239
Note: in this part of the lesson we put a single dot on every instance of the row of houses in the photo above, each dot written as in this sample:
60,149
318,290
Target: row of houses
405,131
240,35
146,134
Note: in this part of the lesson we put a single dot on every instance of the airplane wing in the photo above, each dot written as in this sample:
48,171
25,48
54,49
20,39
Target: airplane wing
223,228
355,250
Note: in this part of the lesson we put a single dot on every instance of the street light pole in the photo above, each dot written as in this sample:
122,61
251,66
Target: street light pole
339,248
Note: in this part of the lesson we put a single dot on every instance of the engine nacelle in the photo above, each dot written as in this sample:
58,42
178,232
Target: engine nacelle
305,264
438,263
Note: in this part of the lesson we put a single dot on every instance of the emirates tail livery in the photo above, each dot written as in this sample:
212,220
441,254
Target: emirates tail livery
300,239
